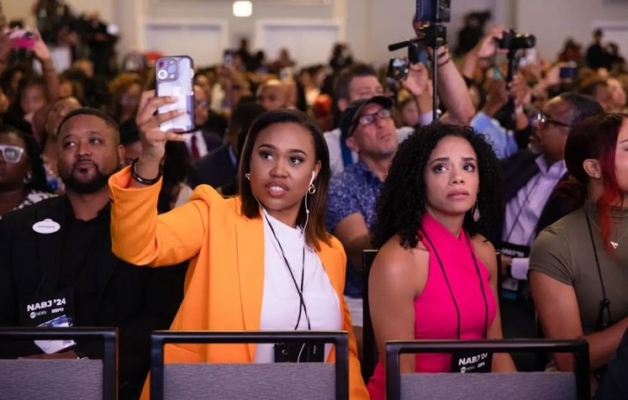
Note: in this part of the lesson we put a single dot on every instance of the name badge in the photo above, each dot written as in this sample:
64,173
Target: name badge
55,310
471,361
46,227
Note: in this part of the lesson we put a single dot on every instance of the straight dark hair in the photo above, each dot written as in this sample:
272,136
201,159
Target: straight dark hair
315,231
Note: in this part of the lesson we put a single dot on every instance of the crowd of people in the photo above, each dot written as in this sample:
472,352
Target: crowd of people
259,217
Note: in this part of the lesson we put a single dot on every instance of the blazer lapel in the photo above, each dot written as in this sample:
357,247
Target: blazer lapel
250,248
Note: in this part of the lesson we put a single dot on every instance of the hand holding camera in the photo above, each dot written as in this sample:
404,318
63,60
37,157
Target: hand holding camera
488,46
417,80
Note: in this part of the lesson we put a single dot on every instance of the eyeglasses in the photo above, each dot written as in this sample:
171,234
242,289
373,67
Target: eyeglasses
543,120
11,154
368,119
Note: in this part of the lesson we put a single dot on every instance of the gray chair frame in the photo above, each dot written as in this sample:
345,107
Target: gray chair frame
160,338
108,336
579,348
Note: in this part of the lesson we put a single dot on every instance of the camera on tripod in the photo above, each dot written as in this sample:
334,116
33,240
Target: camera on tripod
398,68
434,11
513,41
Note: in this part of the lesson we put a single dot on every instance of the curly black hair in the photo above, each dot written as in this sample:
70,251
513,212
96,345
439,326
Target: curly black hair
38,180
401,203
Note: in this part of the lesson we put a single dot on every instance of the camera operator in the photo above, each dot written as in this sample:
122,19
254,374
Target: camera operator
486,121
452,89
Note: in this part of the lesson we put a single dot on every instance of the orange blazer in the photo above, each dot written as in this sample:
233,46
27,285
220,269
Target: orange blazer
225,279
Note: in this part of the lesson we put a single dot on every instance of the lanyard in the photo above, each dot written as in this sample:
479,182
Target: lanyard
605,303
302,307
451,292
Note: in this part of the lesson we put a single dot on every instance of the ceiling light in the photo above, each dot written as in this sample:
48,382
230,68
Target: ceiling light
242,8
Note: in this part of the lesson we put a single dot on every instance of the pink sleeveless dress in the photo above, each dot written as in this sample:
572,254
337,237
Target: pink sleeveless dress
435,312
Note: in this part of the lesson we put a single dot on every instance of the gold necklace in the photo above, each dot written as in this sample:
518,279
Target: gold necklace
614,244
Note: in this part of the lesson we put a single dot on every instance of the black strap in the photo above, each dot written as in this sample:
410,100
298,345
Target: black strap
451,293
605,303
302,307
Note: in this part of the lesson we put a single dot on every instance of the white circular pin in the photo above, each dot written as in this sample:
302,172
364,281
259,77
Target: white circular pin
46,227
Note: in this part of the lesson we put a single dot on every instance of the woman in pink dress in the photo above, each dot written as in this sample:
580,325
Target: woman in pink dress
435,276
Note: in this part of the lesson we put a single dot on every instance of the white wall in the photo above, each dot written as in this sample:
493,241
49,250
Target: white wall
368,25
554,20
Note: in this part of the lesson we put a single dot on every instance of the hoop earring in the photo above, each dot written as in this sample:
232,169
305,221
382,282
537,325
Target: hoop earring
248,175
311,189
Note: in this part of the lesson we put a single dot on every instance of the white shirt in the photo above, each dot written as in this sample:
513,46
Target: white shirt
335,151
201,145
280,301
524,210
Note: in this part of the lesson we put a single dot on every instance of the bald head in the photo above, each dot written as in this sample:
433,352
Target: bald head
273,95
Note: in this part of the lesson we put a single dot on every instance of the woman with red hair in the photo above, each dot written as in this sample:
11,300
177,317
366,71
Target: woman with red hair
579,265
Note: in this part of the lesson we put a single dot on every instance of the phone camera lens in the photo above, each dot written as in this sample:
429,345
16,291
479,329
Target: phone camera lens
172,69
162,74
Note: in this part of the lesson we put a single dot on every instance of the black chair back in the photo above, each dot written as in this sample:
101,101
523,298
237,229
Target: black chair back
73,375
369,351
579,348
160,338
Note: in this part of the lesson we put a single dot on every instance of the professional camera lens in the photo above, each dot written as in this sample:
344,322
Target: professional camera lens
162,74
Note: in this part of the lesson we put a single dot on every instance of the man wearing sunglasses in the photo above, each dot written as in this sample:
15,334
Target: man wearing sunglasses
530,180
368,129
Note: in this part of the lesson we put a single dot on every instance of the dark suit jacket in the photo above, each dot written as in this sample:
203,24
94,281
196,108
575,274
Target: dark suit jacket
516,173
215,169
111,293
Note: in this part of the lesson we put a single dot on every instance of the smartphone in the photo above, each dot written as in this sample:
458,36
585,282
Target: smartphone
570,71
227,58
175,77
22,39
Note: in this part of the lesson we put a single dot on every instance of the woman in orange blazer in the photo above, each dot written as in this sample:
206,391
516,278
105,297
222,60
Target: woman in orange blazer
284,171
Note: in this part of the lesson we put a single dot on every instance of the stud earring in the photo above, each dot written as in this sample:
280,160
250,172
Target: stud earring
248,175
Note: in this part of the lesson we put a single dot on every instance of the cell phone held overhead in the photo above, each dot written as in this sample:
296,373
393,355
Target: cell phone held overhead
174,77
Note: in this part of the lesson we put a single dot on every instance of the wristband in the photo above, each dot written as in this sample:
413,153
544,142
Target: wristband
145,181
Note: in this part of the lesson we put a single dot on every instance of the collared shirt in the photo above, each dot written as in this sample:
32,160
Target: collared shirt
502,140
353,191
524,210
201,145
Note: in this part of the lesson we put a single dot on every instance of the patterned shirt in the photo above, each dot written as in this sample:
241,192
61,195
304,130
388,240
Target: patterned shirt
34,196
353,191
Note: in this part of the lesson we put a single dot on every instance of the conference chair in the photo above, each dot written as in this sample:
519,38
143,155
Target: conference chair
369,346
511,386
307,381
60,379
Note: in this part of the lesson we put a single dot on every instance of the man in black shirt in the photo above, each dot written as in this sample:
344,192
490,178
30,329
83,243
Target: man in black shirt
61,249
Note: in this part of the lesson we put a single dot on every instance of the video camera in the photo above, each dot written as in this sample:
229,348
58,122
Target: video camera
398,68
433,11
513,41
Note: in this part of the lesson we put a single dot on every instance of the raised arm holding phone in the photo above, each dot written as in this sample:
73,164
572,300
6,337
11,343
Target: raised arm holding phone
246,253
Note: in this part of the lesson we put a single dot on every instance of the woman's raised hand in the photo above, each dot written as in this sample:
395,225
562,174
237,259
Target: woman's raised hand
153,139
